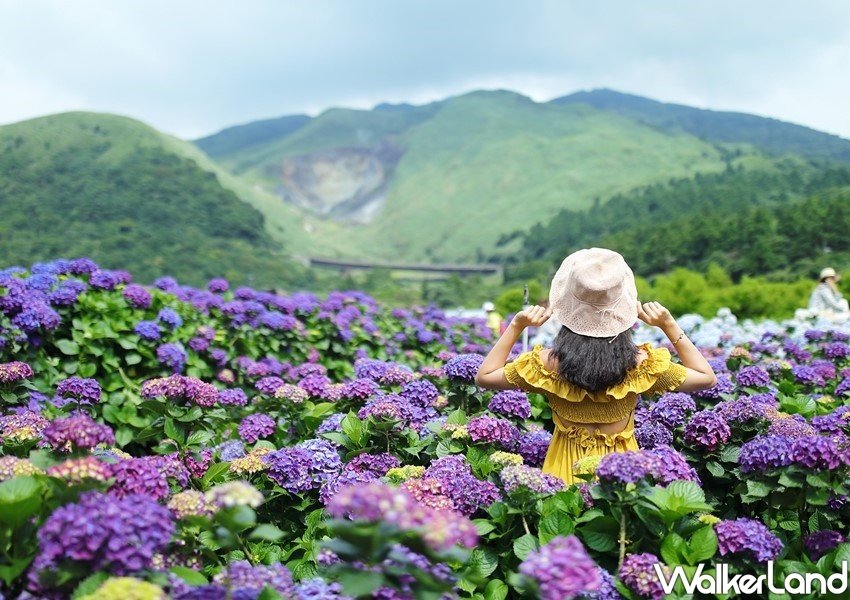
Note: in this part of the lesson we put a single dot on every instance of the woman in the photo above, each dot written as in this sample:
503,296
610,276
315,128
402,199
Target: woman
826,300
593,372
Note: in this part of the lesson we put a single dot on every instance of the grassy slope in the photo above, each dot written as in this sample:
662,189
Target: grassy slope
491,163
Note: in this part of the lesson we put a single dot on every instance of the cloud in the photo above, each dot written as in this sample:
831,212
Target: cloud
191,68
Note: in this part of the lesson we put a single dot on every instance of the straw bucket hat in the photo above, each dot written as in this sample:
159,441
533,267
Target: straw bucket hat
594,294
829,272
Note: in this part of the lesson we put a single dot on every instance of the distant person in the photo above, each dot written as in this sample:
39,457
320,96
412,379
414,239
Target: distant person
494,319
826,300
593,373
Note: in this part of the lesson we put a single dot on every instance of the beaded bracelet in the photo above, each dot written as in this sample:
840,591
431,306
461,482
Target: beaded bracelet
679,339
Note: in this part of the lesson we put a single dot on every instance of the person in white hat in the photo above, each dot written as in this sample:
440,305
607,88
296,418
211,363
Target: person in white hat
494,319
826,300
593,373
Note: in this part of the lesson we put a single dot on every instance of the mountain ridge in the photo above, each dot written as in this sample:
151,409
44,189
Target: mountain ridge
453,181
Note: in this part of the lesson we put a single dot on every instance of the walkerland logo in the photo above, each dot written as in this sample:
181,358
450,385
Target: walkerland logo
720,582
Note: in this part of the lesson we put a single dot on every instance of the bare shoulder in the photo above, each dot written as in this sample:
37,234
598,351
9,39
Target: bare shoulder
642,355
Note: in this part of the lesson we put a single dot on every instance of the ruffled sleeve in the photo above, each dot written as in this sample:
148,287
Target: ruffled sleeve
528,373
656,374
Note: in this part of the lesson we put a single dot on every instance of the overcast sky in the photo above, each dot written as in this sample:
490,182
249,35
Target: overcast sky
191,68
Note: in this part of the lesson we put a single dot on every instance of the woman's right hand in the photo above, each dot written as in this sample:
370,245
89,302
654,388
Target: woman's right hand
655,314
533,316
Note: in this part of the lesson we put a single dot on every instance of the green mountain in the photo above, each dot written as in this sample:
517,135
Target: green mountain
446,181
769,135
129,197
482,177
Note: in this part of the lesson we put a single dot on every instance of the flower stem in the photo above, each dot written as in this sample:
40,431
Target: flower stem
525,523
622,539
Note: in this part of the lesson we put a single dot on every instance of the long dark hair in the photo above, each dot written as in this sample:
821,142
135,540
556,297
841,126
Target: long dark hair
594,364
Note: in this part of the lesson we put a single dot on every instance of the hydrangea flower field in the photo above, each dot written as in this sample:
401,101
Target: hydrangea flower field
161,441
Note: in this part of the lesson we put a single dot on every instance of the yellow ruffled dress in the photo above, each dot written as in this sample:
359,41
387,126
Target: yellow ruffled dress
654,375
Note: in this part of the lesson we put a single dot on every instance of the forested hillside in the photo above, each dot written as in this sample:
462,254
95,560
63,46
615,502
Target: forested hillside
748,222
111,189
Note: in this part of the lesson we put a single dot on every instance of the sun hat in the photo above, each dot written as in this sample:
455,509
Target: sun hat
489,306
828,272
594,294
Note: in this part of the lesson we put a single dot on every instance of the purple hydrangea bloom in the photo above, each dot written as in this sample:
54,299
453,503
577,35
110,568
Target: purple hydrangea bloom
748,536
741,410
607,589
232,397
622,467
707,429
84,391
834,423
842,388
106,280
420,392
562,569
792,426
638,573
672,408
463,367
511,403
492,430
230,450
376,464
359,389
255,427
389,407
137,296
807,375
651,434
15,371
837,350
342,480
268,385
325,461
814,335
147,330
666,465
170,317
23,426
37,315
466,491
533,446
101,533
67,293
369,368
820,542
291,469
172,356
78,431
140,477
319,589
332,423
818,453
218,285
440,529
753,377
242,577
83,266
522,476
764,453
166,284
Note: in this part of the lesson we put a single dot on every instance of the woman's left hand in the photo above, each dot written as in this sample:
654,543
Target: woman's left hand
533,316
